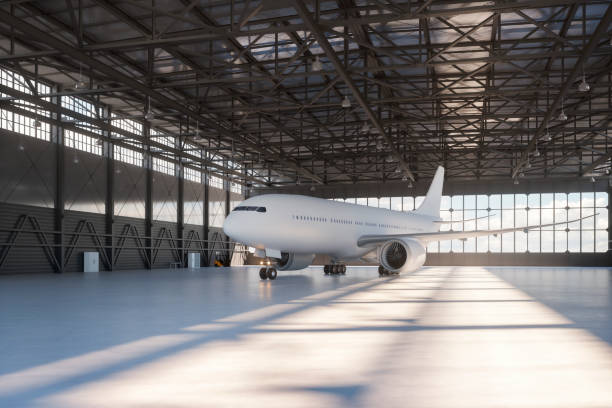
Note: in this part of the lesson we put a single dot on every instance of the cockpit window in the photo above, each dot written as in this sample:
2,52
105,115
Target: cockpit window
250,208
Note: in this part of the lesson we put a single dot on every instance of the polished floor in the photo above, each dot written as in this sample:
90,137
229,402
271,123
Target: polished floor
220,337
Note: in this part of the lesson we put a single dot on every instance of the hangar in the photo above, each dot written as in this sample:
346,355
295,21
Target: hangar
132,130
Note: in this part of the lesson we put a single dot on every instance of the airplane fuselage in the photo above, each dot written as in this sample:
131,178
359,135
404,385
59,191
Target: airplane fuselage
309,225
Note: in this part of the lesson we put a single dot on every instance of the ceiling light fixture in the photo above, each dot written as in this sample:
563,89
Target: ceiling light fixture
592,179
80,84
317,65
365,128
516,181
562,116
405,178
346,102
583,86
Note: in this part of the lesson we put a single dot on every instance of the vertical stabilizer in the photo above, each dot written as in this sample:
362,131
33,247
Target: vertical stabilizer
431,204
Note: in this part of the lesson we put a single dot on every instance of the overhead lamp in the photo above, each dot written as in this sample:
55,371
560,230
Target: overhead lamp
99,142
37,123
149,116
76,159
607,171
583,86
405,178
312,188
516,181
547,137
346,102
379,145
562,116
397,170
365,128
528,164
592,179
317,65
409,183
298,182
536,152
521,174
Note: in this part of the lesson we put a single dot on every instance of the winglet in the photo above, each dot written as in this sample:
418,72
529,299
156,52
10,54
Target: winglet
431,204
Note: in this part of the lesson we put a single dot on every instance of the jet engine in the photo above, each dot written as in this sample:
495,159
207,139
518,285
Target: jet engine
402,255
294,262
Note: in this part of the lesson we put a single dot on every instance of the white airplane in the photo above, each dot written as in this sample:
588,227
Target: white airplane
292,229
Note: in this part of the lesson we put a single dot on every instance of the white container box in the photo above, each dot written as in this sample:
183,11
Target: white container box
91,262
193,260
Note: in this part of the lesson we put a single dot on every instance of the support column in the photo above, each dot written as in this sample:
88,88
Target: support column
206,228
146,129
109,207
180,212
58,137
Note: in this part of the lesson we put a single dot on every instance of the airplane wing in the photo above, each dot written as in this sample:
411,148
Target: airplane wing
468,220
427,237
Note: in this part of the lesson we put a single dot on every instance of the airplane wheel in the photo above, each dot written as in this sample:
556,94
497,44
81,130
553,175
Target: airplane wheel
262,274
335,269
381,270
326,269
343,269
272,273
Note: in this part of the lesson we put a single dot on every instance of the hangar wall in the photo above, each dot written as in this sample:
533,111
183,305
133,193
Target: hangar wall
57,202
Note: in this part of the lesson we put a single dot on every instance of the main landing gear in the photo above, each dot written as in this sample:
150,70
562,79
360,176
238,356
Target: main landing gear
385,272
267,273
334,269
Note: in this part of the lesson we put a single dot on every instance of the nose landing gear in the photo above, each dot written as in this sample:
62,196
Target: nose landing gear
334,269
268,273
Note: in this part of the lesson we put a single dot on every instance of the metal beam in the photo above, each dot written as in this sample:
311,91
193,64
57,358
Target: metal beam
331,54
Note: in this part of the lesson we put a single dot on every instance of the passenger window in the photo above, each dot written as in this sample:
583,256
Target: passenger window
261,209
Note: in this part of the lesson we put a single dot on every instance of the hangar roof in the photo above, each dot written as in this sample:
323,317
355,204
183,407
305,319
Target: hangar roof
339,91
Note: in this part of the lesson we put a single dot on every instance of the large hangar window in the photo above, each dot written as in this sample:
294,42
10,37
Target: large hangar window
516,210
15,122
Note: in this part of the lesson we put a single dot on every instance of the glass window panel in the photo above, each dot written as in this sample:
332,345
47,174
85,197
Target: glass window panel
560,200
588,199
482,202
432,247
573,200
469,225
533,200
547,200
482,223
547,240
445,203
588,241
508,242
601,199
507,218
533,240
445,246
362,201
384,202
469,202
495,220
495,201
457,245
495,243
418,201
407,203
457,202
588,223
572,214
396,203
560,241
469,245
507,201
457,216
601,219
601,241
373,201
351,200
520,217
547,216
533,216
560,216
520,200
482,244
520,241
573,241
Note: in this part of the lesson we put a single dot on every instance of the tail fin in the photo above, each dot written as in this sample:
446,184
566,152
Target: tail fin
431,204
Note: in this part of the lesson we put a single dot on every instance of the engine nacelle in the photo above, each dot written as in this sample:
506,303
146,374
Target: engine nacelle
294,262
402,255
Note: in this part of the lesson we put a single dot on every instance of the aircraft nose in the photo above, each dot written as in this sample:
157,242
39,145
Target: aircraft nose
229,226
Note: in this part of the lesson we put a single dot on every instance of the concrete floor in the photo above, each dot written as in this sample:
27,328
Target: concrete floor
217,337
